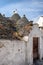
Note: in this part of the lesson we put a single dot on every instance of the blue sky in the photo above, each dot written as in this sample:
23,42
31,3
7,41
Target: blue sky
31,8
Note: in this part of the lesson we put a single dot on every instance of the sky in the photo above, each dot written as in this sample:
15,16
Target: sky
31,8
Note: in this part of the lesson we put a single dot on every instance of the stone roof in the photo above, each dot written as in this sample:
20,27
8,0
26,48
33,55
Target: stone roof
1,16
15,17
23,21
5,27
25,30
8,28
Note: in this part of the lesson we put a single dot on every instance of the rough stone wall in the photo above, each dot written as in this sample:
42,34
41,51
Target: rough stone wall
12,52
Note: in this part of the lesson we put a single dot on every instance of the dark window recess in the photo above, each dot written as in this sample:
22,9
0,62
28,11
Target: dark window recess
18,49
42,58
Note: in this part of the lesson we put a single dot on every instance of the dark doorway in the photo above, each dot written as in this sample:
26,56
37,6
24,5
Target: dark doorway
35,49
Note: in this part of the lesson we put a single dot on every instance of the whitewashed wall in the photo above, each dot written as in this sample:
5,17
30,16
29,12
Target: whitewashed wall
35,32
41,43
12,52
42,47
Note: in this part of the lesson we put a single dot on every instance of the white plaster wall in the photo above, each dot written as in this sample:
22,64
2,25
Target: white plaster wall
35,32
12,52
42,47
29,51
41,43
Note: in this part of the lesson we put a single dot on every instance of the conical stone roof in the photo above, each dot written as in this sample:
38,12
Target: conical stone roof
23,21
5,27
1,17
15,17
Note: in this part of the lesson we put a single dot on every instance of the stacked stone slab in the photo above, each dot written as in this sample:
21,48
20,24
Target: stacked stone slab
13,27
